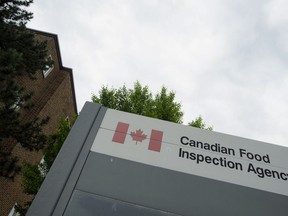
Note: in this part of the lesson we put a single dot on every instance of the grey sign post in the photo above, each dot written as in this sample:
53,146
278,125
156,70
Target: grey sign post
116,163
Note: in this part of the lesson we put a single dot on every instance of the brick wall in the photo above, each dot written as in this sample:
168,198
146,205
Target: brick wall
53,97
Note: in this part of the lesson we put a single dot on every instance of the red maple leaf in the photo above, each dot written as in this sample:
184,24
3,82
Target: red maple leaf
138,136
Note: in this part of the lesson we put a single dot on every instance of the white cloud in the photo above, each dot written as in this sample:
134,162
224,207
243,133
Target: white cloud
226,60
277,20
277,12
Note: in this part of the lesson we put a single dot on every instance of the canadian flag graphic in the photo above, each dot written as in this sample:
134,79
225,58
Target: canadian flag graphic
121,134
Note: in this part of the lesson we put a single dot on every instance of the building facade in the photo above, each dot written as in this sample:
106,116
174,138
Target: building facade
54,97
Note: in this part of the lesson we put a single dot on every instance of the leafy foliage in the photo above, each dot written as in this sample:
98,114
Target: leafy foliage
199,123
56,141
8,166
167,108
34,175
12,11
140,100
32,178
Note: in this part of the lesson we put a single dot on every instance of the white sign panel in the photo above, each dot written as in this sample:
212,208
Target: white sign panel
194,151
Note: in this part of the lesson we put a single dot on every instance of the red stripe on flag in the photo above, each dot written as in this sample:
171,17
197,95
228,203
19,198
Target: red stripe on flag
155,140
120,132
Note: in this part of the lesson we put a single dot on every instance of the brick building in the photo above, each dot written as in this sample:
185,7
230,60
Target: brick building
54,96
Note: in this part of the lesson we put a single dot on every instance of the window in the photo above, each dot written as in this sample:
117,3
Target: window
49,67
42,167
13,211
18,101
67,119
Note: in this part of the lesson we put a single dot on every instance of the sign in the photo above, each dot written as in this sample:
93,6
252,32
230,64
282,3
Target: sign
194,151
116,163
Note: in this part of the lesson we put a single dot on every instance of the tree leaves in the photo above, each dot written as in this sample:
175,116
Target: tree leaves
141,101
199,123
32,178
12,12
21,55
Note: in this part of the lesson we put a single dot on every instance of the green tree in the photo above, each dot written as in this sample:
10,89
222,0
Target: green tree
34,175
56,141
166,107
140,100
199,123
20,55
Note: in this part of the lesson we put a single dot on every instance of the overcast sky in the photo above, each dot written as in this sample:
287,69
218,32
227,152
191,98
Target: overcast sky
225,60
